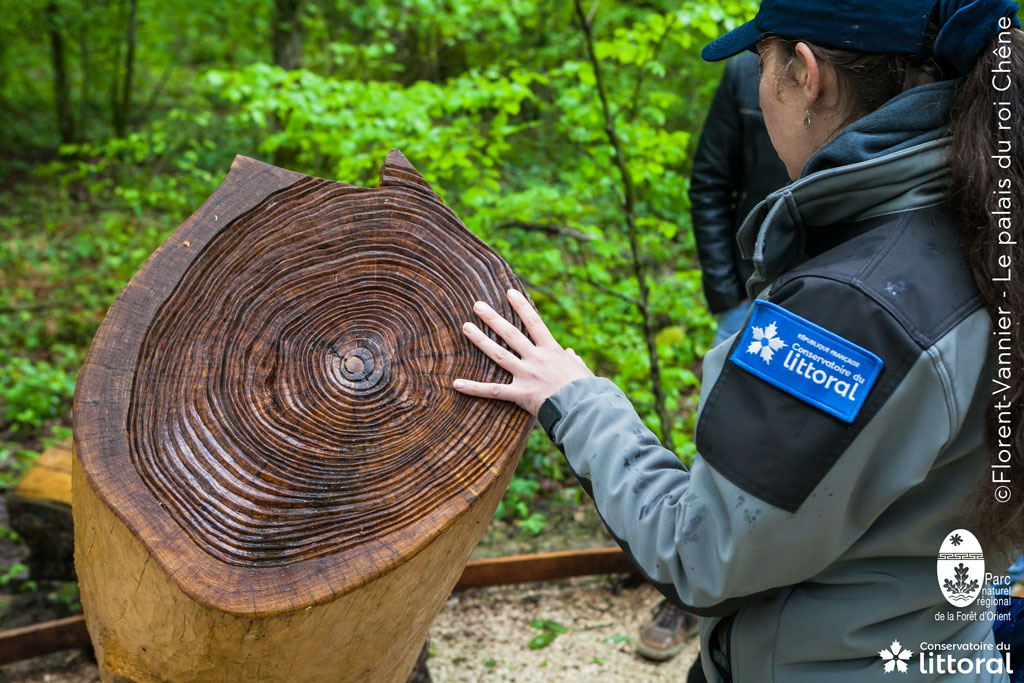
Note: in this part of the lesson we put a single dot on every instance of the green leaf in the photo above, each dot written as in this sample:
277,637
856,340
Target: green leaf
541,641
548,625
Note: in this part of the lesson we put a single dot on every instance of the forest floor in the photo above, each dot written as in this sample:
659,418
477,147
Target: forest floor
480,634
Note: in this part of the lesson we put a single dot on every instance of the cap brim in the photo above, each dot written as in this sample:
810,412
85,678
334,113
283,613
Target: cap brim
734,42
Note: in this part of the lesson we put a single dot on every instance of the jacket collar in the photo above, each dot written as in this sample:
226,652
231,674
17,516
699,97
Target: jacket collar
773,234
893,160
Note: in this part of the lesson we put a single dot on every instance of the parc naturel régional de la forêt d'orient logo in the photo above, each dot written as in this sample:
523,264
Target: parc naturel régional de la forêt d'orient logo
960,568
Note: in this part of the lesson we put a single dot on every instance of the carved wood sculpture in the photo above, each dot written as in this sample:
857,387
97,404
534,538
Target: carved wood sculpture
273,479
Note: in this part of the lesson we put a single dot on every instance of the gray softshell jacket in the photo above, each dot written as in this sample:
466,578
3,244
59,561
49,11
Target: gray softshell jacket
812,542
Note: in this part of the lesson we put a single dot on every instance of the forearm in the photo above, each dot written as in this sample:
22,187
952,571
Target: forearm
643,494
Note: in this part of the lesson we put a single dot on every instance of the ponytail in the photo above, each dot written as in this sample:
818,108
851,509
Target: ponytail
987,197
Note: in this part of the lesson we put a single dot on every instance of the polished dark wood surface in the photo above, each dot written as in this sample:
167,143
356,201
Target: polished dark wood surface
268,405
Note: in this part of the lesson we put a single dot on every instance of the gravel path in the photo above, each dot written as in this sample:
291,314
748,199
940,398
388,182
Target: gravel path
483,635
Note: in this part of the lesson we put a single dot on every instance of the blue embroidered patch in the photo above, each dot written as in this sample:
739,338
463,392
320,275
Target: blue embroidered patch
807,361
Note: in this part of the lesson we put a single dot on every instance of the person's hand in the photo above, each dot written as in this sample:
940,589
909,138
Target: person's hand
541,368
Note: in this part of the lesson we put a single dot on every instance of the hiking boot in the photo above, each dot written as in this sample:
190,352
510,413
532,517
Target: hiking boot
665,635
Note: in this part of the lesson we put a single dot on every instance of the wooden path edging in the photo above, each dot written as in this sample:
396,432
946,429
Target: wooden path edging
70,633
42,639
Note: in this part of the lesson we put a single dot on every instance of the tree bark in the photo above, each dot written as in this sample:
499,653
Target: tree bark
65,120
85,65
287,33
122,104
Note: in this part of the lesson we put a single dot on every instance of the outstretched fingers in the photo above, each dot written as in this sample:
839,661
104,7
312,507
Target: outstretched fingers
541,368
531,319
516,340
503,357
501,392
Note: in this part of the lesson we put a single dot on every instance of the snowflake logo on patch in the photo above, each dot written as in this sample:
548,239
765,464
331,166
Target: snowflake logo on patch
895,658
765,343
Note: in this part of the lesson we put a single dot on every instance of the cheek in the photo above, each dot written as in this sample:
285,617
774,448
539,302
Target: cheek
775,121
770,106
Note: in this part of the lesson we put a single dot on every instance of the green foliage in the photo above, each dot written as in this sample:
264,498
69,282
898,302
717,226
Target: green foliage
34,391
458,132
495,102
542,640
13,572
67,595
550,630
515,504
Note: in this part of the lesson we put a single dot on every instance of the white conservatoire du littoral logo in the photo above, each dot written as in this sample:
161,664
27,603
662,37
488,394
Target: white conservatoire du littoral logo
963,658
960,568
895,657
765,342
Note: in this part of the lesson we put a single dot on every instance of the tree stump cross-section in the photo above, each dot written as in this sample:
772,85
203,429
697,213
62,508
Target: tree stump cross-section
273,478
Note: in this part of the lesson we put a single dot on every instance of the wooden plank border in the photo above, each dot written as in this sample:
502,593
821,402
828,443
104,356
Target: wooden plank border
70,633
42,639
500,571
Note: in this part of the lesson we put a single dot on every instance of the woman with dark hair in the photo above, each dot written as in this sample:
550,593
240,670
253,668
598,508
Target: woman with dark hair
869,413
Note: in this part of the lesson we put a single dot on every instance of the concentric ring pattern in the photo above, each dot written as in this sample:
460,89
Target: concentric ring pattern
292,397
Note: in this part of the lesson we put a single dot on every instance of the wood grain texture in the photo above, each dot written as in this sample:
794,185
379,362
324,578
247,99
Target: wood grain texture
267,412
144,628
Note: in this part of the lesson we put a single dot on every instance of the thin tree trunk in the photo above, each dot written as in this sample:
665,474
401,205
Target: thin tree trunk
287,44
629,209
3,73
123,105
115,74
65,121
83,46
287,33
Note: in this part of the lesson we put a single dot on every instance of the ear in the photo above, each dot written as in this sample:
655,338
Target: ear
811,81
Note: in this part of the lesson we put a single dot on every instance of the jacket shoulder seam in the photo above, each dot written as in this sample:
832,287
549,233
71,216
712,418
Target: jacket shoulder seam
923,339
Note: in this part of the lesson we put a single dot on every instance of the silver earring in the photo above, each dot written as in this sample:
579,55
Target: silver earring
807,119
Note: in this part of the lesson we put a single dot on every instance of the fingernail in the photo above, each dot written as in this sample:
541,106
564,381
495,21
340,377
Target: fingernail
469,327
459,384
514,294
479,306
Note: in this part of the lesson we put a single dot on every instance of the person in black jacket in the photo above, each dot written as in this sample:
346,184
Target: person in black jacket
734,169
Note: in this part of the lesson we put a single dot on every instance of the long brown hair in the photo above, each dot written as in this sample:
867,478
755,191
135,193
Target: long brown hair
978,182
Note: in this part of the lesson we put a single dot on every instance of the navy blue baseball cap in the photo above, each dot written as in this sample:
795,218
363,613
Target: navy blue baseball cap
871,26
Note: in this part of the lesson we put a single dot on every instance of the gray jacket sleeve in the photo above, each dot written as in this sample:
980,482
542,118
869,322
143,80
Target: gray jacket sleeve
787,489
